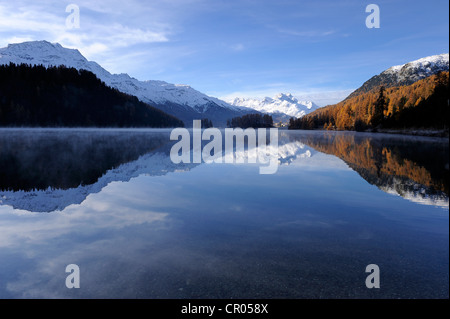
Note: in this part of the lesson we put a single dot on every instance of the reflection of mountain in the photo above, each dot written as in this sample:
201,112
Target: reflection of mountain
48,170
286,152
63,169
39,159
289,152
405,166
154,164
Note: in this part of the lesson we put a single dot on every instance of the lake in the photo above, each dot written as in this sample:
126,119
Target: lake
138,225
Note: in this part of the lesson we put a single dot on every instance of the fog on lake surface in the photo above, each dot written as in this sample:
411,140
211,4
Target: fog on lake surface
140,226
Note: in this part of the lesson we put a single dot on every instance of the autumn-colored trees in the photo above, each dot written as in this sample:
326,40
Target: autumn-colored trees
379,109
421,104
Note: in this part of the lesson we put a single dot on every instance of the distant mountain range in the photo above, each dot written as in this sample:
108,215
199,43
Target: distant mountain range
179,100
282,107
186,103
406,74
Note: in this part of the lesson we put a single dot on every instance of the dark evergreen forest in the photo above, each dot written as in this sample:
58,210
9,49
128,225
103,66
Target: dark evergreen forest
251,120
37,96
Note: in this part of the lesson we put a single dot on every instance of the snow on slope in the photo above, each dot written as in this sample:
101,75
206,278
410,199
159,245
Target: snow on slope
152,92
421,68
281,103
406,74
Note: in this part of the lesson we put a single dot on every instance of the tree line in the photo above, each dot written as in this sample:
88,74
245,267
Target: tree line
67,97
423,104
251,120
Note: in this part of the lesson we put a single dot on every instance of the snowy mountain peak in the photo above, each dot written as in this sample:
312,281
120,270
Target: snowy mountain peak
41,52
426,63
32,45
406,74
166,96
285,97
282,105
419,69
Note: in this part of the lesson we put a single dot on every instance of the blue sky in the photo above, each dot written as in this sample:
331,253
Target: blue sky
248,48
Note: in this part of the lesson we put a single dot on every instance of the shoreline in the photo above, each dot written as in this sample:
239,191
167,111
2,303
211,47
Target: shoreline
415,132
441,133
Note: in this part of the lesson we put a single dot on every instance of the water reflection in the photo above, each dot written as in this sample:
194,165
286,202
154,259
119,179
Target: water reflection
47,170
63,159
147,228
416,168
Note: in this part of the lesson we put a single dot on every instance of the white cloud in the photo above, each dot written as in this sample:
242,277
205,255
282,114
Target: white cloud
303,33
20,39
238,47
95,36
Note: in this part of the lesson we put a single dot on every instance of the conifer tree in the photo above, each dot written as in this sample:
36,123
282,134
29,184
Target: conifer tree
379,107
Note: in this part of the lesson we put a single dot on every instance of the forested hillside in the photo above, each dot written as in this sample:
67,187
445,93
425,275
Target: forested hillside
423,104
66,97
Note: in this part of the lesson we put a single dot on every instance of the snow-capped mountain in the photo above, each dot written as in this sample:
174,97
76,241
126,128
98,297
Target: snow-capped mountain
406,74
281,107
180,100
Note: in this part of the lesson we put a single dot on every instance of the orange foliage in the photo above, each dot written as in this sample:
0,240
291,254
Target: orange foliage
376,160
360,109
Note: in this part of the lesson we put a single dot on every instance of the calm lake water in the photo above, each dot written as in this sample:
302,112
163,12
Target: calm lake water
139,226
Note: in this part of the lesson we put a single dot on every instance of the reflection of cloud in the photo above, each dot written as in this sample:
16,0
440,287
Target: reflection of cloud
99,211
78,234
113,236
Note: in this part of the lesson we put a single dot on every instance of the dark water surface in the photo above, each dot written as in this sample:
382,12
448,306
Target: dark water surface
139,226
